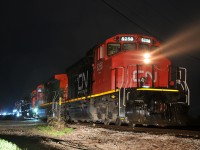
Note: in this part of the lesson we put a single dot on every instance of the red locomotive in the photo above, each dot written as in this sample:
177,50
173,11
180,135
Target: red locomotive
37,98
126,79
33,98
55,91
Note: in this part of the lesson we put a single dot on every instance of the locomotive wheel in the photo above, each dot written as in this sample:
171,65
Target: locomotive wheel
118,122
106,121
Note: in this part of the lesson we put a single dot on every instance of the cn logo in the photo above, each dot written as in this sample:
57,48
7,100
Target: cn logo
82,81
145,74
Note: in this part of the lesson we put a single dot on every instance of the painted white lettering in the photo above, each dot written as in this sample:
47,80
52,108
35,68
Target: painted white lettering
151,76
82,81
85,80
135,74
146,74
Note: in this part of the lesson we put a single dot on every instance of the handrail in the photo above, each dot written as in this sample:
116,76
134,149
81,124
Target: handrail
188,94
185,88
122,76
123,68
185,72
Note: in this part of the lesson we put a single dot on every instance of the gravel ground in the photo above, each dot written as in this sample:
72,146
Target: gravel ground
98,138
102,139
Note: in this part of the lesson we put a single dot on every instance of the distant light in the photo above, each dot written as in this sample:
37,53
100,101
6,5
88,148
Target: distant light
39,90
145,40
14,110
18,114
35,110
4,114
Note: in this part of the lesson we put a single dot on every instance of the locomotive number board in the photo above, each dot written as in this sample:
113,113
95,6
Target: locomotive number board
127,38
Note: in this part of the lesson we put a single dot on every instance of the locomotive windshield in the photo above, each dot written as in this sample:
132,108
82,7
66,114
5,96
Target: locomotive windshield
154,47
142,46
129,46
113,48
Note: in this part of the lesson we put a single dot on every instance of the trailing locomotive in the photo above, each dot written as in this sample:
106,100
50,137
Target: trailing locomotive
55,92
37,98
126,79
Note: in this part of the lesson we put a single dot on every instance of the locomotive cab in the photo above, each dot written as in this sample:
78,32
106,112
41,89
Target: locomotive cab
129,61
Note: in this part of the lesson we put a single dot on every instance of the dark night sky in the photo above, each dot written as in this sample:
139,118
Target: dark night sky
42,38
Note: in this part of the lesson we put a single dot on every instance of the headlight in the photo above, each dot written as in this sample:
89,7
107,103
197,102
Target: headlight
146,55
147,58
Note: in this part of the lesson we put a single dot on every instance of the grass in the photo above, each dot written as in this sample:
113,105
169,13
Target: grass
8,145
53,131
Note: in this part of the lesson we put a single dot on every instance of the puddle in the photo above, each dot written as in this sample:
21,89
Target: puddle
26,143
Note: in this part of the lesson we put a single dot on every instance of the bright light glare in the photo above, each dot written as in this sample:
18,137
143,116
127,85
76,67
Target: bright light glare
18,114
147,58
14,110
146,61
146,55
183,42
35,110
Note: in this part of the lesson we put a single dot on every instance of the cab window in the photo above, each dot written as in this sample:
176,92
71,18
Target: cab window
142,46
129,46
113,48
154,48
